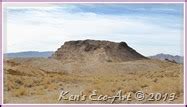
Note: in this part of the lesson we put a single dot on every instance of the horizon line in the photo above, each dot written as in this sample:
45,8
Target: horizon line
54,51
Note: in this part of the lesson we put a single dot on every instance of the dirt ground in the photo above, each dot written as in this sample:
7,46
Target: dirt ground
36,81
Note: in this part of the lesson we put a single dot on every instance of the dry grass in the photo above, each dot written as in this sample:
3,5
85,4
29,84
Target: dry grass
44,86
21,91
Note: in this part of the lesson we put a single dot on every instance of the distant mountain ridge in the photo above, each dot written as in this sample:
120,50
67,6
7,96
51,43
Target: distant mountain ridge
29,54
168,57
47,54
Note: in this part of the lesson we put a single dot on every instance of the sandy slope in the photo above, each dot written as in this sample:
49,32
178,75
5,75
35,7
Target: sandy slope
41,80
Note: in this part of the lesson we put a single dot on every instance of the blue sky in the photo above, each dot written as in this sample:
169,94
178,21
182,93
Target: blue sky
148,28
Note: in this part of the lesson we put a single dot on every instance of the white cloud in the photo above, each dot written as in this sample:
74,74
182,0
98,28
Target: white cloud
45,29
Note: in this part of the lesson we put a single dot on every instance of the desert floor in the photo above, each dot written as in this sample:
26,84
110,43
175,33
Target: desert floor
40,80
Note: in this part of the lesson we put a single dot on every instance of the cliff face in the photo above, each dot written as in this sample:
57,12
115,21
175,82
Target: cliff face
95,50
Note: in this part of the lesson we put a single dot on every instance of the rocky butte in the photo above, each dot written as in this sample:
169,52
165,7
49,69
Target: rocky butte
96,50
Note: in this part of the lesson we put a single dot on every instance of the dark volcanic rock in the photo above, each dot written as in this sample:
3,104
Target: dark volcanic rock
95,50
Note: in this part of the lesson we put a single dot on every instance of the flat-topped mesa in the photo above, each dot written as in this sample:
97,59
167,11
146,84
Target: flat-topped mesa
96,50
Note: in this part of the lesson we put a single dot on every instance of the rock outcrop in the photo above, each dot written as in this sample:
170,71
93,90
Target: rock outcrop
96,50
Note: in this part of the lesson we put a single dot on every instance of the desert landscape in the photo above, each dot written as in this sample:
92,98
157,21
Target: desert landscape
82,66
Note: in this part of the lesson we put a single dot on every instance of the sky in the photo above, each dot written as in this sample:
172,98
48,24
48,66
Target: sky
148,28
